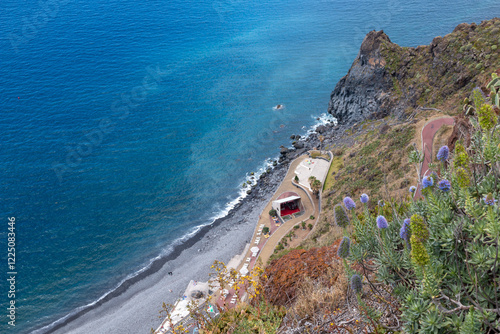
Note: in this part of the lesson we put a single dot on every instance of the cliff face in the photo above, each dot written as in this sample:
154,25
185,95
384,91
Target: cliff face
388,79
364,90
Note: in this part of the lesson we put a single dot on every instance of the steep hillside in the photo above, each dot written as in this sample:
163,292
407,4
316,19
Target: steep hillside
387,79
382,104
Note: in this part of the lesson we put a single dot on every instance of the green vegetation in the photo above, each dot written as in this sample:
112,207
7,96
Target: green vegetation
442,264
318,154
315,184
431,265
334,168
378,158
460,61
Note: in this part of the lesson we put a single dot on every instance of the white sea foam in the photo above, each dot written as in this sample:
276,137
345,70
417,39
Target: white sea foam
323,119
267,164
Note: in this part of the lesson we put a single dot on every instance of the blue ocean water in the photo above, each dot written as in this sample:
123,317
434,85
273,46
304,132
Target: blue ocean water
125,125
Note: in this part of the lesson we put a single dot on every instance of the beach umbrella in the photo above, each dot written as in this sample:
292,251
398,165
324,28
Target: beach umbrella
254,249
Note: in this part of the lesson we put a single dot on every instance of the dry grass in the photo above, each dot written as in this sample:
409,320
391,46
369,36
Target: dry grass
325,233
334,168
320,296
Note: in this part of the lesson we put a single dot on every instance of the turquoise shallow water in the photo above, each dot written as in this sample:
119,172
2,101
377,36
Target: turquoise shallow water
126,125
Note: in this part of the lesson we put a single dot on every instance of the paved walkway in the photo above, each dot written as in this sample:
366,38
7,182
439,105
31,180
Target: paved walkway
267,245
428,132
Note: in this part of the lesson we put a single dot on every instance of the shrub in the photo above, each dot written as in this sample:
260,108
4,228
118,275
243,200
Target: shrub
340,216
265,230
310,226
273,213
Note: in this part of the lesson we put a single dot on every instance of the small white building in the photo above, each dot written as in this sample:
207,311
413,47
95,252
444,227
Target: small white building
288,205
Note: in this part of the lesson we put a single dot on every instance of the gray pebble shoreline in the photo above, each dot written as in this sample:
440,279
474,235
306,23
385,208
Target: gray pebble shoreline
134,307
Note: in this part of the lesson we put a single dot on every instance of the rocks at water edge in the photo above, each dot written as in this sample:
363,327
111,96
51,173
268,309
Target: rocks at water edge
363,90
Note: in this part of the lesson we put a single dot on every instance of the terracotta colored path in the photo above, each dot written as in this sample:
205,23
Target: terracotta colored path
428,132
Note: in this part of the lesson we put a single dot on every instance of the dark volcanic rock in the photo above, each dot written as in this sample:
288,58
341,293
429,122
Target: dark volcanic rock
298,145
363,91
321,129
283,150
387,79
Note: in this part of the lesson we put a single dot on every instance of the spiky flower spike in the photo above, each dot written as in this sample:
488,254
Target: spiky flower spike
443,153
349,203
487,117
340,216
478,97
461,157
413,189
364,198
419,228
344,248
356,284
489,199
382,222
444,185
462,177
427,181
418,253
404,232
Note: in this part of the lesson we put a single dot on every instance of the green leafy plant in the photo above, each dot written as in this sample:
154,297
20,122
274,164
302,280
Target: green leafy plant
448,280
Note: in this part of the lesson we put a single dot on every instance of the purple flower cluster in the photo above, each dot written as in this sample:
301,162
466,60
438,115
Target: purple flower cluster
443,153
427,181
364,198
382,222
404,232
356,284
340,216
444,185
413,189
349,203
344,248
489,199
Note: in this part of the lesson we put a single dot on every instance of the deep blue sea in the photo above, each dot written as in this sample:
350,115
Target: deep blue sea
124,125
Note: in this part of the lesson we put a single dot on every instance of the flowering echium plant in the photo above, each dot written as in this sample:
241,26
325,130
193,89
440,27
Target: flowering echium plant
440,254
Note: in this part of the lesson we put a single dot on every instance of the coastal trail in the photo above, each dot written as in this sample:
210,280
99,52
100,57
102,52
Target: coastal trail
277,232
428,132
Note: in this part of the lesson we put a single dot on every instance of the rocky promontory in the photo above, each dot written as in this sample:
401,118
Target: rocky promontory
387,79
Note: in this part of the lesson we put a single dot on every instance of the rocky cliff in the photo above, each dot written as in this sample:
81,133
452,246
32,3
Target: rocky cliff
386,78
